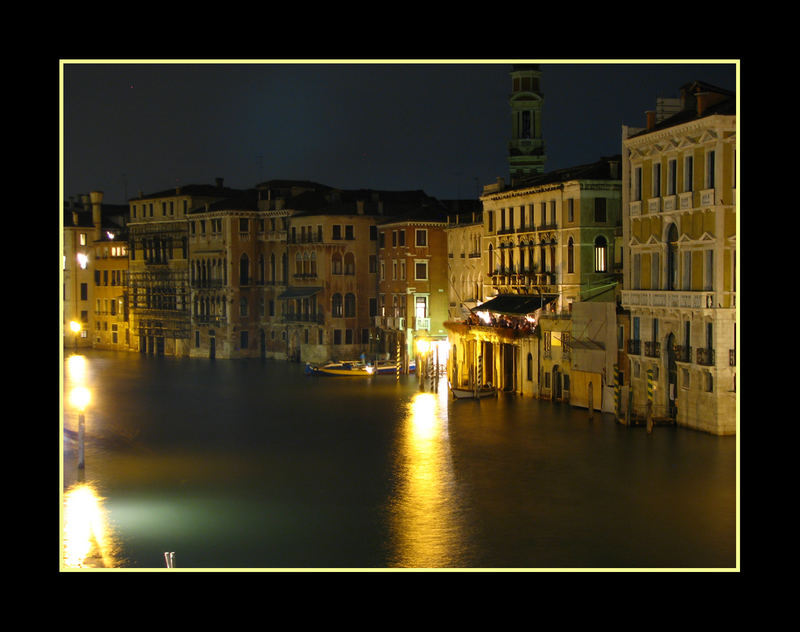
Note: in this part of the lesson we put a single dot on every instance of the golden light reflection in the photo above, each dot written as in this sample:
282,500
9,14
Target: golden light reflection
76,367
79,397
426,526
87,539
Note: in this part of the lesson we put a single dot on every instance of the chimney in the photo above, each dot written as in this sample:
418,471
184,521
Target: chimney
96,198
651,119
219,182
613,167
360,207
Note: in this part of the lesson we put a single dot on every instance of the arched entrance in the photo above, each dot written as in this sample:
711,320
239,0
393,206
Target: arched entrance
672,378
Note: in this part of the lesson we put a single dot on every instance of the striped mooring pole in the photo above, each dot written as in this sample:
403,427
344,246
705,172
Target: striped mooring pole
650,388
617,390
397,362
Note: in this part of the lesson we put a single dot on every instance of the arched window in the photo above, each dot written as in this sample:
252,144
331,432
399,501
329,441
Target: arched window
530,367
491,261
349,305
349,263
244,270
336,263
600,255
298,263
314,264
336,306
306,263
261,269
272,267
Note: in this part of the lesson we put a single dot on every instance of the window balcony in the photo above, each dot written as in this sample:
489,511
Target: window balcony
652,349
635,347
422,323
705,357
732,358
669,298
683,353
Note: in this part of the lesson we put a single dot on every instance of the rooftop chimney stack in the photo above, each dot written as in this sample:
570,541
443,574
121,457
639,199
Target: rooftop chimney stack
96,198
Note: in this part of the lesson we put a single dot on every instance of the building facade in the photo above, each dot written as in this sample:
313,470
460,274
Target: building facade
158,266
412,282
547,245
94,274
679,231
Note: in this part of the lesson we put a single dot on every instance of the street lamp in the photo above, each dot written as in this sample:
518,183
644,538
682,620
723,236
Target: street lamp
75,326
79,398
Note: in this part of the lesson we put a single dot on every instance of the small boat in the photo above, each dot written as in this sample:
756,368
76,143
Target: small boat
464,392
354,368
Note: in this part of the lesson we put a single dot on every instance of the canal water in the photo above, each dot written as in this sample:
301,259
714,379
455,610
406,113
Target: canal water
250,464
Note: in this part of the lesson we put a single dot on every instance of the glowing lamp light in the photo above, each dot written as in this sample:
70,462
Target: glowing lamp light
83,260
75,326
79,397
423,345
370,369
484,316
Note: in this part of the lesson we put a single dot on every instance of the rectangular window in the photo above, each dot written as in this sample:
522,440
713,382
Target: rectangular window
84,292
636,184
348,232
672,177
599,210
422,237
401,238
373,233
708,281
710,169
570,210
421,270
394,239
490,219
657,179
337,336
337,232
688,173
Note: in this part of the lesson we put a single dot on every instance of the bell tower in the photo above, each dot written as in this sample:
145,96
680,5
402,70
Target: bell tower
526,148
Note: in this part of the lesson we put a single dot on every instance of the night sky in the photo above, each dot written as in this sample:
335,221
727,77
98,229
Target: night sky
442,128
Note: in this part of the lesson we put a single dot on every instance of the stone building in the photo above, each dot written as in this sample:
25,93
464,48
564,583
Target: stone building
547,245
679,232
158,275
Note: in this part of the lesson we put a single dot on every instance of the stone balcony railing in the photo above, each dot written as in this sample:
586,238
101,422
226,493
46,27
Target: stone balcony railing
670,298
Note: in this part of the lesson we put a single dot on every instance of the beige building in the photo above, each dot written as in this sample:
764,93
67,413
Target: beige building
464,266
547,245
158,273
679,231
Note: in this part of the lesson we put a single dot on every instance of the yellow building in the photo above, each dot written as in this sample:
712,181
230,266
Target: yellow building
679,232
93,274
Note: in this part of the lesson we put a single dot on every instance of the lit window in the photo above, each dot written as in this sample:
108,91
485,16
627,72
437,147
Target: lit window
600,254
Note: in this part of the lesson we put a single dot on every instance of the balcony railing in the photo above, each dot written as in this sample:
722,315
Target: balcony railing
683,353
635,347
705,357
732,359
652,349
422,323
303,318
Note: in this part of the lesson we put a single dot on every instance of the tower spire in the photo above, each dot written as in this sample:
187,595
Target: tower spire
526,148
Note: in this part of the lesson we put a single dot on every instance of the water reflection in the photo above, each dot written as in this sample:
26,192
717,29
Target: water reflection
88,540
426,525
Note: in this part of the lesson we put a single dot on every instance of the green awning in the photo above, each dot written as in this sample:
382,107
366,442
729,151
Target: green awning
299,292
515,304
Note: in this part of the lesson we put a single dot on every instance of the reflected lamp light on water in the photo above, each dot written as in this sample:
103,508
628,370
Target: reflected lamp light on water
79,397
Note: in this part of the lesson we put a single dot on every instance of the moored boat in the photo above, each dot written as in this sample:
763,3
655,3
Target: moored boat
354,368
464,392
